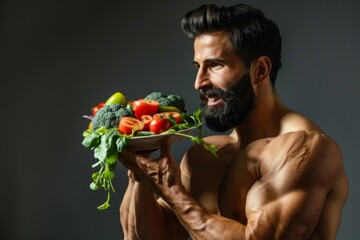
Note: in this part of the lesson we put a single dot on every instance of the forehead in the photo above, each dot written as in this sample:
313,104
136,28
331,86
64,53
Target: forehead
212,45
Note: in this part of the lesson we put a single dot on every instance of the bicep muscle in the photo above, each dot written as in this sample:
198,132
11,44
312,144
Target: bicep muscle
298,171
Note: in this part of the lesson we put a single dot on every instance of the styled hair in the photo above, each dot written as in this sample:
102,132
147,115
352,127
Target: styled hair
250,33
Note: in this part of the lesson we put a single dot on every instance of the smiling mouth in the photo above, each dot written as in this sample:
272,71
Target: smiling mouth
211,97
213,101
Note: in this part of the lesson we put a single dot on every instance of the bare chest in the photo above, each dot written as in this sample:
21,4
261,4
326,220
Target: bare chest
240,176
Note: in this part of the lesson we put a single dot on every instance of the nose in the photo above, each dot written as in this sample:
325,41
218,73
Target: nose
202,78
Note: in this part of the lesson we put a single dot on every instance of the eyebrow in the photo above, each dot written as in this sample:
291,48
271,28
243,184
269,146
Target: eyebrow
209,60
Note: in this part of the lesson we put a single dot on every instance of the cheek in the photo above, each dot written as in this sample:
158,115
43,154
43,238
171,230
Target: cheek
224,82
227,83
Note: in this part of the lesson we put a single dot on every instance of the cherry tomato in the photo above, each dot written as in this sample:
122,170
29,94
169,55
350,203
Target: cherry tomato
96,108
145,107
129,124
175,115
159,125
146,119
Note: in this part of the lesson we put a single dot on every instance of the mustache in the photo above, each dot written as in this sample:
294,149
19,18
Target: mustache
206,93
211,92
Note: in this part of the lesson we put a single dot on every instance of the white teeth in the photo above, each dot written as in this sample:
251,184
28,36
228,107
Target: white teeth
211,99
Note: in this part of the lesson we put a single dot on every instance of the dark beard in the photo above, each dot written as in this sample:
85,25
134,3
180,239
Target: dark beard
239,101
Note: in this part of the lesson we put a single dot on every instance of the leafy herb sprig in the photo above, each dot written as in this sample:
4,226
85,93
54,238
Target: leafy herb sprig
196,120
107,143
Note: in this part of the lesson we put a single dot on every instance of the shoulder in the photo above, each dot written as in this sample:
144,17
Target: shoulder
305,153
300,138
311,142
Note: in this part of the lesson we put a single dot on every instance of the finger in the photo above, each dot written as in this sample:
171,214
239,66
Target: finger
128,164
133,176
135,158
137,163
165,146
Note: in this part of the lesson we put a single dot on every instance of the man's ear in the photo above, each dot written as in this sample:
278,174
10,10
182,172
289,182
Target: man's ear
261,68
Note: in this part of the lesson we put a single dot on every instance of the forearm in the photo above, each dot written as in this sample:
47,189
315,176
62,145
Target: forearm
140,215
202,224
126,219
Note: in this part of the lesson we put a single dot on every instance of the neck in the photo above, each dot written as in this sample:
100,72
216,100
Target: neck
264,120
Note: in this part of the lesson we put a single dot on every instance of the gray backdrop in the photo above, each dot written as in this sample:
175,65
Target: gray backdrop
59,58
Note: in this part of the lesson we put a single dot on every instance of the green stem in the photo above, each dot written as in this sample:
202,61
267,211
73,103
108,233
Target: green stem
106,204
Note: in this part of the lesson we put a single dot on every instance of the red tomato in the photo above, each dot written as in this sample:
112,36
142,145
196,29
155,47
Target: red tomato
101,105
145,107
165,115
128,124
146,119
96,108
158,125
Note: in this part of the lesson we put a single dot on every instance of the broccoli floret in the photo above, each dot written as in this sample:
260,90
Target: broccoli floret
164,101
109,116
176,101
155,96
167,100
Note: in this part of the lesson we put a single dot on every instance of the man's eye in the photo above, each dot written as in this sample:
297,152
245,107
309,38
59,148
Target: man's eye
214,64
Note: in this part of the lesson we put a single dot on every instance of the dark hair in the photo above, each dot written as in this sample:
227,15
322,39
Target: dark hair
251,34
